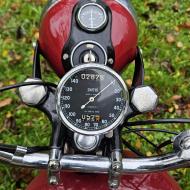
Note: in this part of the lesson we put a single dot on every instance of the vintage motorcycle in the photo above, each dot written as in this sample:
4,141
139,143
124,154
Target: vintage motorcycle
88,43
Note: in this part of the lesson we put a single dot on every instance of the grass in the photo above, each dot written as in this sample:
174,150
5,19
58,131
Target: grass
164,36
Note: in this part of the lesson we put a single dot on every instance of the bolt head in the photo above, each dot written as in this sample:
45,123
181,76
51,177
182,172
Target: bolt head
32,94
53,164
144,99
65,56
111,61
53,180
114,184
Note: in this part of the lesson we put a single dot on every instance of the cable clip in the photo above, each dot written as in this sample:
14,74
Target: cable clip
19,154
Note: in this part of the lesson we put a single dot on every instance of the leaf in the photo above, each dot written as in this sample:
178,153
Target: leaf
176,7
170,38
185,25
15,6
5,102
128,82
138,144
176,97
188,10
149,154
168,66
10,124
5,53
171,110
179,44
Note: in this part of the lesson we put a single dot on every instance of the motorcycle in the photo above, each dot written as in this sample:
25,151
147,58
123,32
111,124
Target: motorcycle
88,43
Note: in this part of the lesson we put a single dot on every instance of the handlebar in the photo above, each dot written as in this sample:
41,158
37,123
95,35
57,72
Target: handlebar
97,164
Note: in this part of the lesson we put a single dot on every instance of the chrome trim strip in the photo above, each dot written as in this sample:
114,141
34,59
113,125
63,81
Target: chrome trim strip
128,6
49,5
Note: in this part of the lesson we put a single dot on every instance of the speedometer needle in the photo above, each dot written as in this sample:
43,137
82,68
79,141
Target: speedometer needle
91,99
91,19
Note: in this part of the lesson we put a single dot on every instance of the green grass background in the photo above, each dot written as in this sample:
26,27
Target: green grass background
167,65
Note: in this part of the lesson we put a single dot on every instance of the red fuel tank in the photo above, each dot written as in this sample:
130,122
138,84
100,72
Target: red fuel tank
79,181
55,30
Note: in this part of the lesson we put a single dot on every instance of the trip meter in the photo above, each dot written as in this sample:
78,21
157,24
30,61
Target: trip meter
92,16
92,99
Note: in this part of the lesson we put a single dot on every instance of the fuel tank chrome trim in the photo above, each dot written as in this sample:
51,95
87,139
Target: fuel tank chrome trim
50,4
127,5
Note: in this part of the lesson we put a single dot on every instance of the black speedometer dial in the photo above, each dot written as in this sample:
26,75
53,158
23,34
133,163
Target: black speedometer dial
92,99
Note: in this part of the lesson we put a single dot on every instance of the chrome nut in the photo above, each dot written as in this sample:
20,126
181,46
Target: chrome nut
32,94
144,99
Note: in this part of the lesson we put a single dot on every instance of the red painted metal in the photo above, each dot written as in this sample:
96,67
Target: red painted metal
79,181
124,35
55,30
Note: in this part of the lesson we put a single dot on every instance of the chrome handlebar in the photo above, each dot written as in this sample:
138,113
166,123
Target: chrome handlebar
98,164
114,166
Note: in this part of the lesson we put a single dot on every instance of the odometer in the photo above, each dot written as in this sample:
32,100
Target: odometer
92,99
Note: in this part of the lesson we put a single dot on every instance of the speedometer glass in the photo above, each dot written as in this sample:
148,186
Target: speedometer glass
92,17
92,99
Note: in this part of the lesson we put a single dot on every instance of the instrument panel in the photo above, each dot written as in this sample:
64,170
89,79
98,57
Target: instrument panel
92,99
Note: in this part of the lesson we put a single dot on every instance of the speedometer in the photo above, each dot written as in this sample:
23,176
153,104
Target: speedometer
92,16
92,99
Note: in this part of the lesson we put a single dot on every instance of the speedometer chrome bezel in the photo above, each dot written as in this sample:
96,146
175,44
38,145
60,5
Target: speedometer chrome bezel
63,118
92,29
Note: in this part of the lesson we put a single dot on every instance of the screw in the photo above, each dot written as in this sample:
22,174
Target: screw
116,167
53,180
65,56
111,61
114,184
53,164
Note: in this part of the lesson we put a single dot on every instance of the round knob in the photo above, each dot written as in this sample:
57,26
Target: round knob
86,143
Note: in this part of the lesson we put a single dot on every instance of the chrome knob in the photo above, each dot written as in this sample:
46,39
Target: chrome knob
86,143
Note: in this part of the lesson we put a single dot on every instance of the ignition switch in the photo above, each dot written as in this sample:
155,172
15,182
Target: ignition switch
89,57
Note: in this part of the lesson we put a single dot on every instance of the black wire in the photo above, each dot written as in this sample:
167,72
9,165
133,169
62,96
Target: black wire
128,145
164,144
144,137
36,62
30,150
35,149
27,84
158,121
150,130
